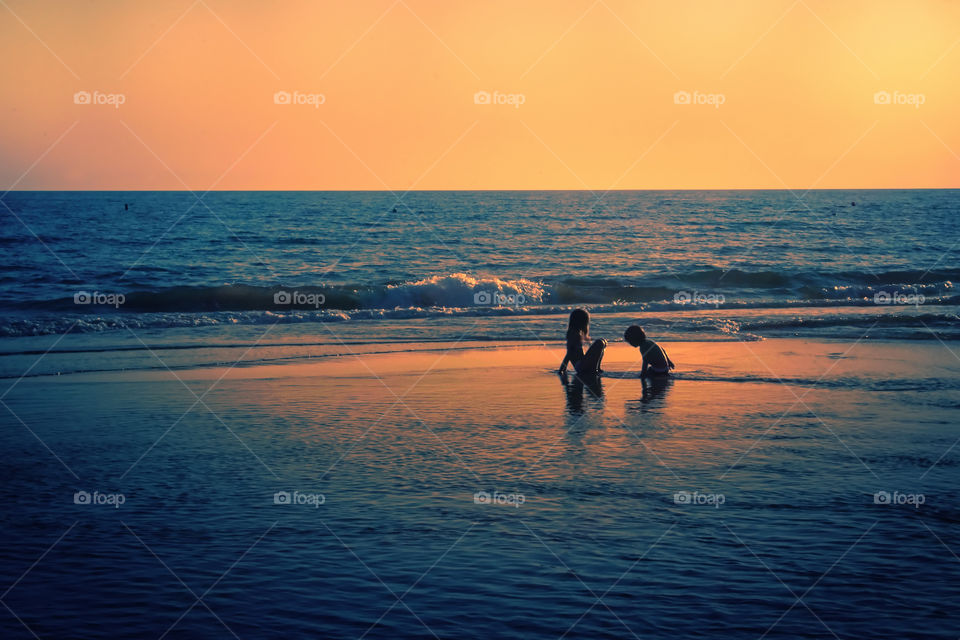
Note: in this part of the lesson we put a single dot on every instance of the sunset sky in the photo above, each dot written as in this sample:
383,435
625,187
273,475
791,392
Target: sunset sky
589,92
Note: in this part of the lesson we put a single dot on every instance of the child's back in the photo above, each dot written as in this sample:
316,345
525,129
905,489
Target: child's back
578,332
655,359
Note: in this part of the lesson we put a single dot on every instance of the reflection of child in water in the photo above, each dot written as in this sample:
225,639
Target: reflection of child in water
578,332
656,362
577,388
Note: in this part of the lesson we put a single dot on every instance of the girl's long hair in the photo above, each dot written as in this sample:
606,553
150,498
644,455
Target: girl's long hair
579,324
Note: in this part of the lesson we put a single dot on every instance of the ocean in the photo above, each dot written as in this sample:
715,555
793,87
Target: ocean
194,271
330,415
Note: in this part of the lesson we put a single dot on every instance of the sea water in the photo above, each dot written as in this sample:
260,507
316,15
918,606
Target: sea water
777,488
123,270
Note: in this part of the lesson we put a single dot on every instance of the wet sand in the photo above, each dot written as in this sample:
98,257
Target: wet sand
491,497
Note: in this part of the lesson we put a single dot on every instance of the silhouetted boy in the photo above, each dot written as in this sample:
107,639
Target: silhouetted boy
656,362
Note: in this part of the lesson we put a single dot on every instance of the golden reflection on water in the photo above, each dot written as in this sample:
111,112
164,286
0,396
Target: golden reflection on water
506,413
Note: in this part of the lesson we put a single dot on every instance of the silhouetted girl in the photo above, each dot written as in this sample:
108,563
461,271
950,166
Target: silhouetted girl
578,333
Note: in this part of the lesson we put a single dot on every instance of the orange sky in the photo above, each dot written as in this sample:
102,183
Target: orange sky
597,82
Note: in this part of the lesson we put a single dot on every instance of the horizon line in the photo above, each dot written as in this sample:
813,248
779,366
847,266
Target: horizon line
517,190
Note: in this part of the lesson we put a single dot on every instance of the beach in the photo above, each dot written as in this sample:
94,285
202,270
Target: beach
310,415
446,320
780,488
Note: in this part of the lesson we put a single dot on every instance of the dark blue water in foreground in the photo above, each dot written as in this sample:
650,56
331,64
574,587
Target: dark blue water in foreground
491,503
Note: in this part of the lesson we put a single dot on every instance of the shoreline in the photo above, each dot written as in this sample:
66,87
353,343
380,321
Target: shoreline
706,361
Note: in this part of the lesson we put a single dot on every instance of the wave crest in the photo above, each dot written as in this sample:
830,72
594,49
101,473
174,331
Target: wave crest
460,290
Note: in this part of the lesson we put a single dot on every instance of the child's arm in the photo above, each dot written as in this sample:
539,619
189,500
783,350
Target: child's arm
563,365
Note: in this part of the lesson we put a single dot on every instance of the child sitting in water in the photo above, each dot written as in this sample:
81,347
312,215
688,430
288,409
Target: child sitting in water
656,362
578,332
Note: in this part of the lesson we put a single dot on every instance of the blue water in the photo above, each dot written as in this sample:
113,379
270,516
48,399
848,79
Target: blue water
600,546
177,260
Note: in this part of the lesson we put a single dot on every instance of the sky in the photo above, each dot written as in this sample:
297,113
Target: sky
458,94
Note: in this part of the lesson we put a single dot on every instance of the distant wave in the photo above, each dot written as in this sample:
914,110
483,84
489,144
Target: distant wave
455,290
780,302
702,288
